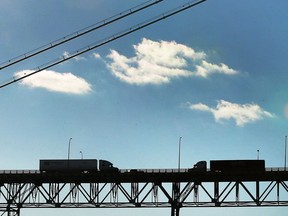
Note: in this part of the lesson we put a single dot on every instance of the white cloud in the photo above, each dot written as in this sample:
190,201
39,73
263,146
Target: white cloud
286,110
241,113
96,55
77,58
54,81
160,62
205,69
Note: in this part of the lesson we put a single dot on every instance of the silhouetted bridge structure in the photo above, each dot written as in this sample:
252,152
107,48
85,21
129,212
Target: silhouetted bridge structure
169,188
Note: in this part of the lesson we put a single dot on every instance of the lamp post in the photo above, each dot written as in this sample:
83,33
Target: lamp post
179,153
69,148
285,153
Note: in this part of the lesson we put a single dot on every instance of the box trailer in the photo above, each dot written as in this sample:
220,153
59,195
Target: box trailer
237,165
75,165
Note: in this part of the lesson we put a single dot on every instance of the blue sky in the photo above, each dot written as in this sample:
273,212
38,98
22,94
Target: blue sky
214,75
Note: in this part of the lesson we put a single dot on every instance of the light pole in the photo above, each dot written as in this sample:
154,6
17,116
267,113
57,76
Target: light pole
179,153
285,153
69,148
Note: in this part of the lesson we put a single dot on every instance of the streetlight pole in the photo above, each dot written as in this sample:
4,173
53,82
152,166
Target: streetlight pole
69,148
179,153
285,153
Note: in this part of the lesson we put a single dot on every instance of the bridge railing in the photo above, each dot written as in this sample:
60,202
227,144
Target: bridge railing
268,169
275,169
19,172
154,170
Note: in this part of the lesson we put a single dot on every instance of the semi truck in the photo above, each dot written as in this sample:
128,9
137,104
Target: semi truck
231,166
75,165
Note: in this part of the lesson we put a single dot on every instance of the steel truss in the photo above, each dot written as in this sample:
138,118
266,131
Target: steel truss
209,191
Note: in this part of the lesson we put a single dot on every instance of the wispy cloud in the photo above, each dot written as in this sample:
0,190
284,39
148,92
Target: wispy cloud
286,111
241,113
96,56
158,62
56,82
77,58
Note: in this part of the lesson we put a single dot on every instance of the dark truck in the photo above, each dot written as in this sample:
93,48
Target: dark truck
233,166
76,165
237,166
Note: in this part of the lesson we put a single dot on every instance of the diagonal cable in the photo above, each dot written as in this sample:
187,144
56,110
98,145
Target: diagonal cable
107,40
79,33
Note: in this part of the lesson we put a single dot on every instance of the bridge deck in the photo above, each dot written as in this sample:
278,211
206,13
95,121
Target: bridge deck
149,175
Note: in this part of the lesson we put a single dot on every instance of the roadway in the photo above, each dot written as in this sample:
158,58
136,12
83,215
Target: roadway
143,175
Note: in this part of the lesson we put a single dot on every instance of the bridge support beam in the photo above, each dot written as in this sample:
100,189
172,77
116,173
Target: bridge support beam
175,202
13,212
175,211
174,190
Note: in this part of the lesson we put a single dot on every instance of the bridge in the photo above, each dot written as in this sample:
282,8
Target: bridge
155,188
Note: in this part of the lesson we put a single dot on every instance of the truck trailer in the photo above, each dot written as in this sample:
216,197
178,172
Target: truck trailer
75,165
231,166
237,165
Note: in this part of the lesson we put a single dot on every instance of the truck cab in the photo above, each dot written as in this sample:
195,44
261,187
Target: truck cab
200,166
105,165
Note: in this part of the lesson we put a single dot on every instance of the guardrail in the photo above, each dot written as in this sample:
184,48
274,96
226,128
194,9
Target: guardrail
19,172
275,169
268,169
154,170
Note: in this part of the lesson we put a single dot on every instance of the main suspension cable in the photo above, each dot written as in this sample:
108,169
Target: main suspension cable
79,33
116,36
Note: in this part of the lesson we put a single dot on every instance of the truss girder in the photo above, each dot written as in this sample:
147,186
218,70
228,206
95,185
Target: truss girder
148,190
107,195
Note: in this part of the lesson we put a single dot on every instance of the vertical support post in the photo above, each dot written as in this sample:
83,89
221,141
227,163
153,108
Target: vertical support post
175,202
155,194
216,194
278,192
237,193
175,211
94,194
114,194
135,192
13,193
196,194
257,193
13,212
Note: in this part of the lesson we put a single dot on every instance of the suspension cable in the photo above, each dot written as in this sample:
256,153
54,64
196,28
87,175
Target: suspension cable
79,33
116,36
